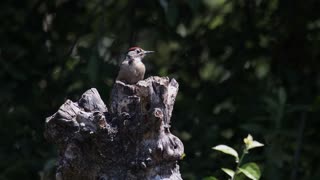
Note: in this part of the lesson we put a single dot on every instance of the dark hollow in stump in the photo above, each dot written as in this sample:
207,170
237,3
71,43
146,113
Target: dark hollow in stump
132,140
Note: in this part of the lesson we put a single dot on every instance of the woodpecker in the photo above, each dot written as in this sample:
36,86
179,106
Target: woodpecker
132,68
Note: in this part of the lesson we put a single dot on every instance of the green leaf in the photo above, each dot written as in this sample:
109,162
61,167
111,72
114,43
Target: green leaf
217,21
214,4
210,178
227,150
251,170
228,171
240,176
182,156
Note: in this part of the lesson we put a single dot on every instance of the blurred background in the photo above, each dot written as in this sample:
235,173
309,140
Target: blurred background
245,66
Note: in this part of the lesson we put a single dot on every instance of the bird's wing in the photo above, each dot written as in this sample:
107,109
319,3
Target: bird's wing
122,72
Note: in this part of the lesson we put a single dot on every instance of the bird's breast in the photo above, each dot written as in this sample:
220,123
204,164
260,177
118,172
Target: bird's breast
131,72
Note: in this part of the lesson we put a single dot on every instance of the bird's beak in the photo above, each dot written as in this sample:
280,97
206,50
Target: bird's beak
148,52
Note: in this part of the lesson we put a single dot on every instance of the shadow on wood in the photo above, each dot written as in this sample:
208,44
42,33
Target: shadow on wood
132,140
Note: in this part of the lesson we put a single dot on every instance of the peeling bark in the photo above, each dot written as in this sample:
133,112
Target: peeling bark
131,141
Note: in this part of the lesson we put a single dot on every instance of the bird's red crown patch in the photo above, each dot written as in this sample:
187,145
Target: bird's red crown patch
134,48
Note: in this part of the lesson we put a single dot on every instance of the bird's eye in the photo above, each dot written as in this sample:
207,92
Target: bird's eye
138,50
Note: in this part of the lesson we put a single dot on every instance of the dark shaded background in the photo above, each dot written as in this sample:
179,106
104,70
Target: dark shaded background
245,66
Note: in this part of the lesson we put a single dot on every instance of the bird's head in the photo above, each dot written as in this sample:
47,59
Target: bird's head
137,53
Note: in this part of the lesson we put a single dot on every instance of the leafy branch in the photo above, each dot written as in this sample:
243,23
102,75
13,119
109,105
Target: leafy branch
250,170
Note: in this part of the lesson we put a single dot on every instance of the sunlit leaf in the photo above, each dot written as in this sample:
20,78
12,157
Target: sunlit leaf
228,171
183,156
251,170
227,150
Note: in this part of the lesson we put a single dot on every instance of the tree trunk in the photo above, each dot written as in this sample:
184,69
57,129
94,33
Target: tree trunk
130,141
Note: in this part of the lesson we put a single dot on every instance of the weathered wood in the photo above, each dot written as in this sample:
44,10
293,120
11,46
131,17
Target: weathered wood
131,141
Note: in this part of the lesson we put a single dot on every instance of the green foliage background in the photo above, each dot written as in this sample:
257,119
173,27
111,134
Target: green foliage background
244,66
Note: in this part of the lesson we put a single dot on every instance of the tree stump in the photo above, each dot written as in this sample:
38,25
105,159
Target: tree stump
131,141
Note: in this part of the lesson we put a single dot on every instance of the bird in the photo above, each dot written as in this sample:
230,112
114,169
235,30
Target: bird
132,68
